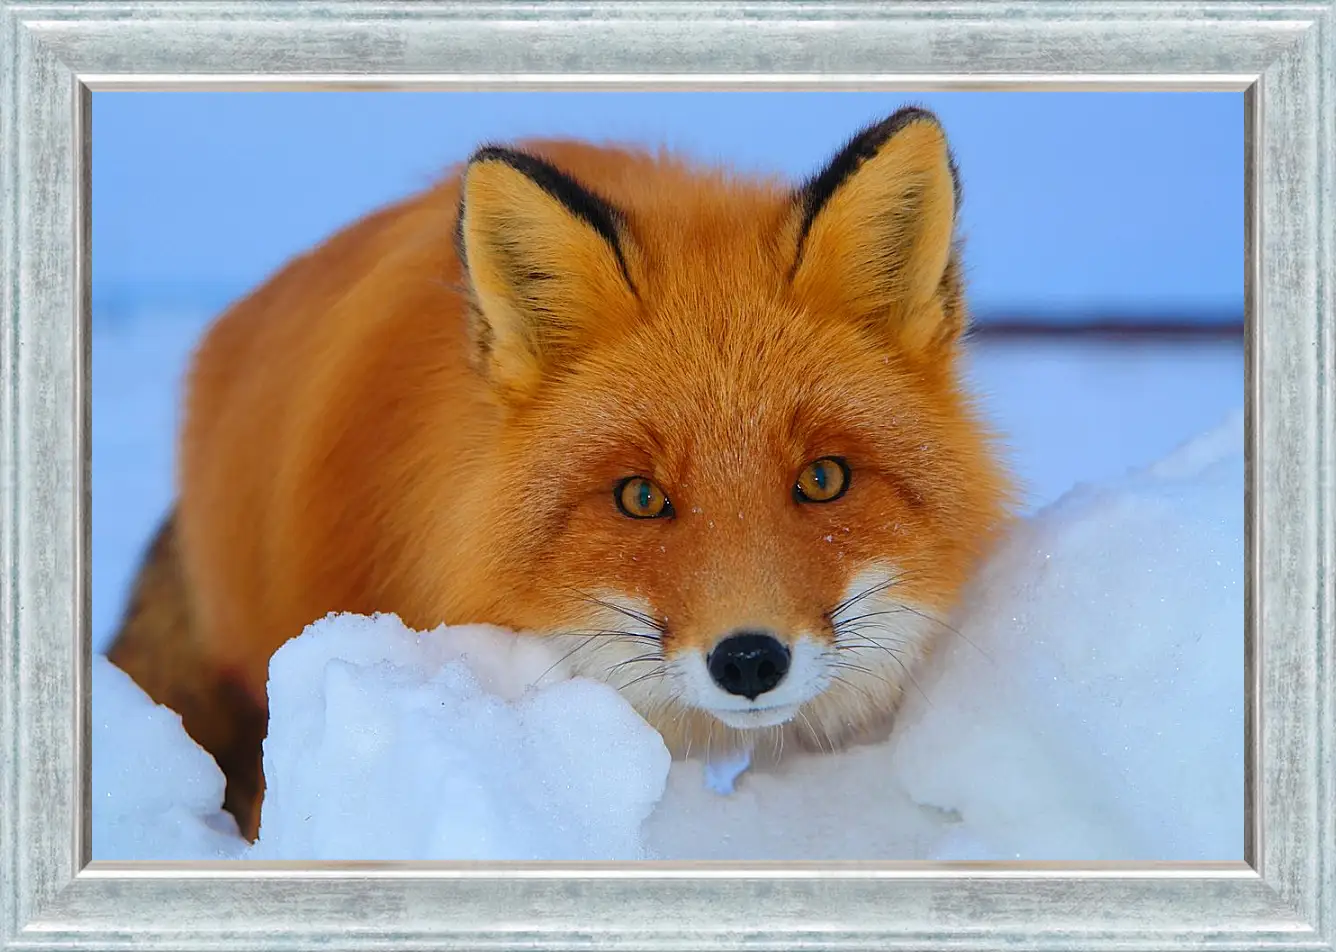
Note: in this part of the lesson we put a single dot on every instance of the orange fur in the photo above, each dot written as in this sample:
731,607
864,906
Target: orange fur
381,429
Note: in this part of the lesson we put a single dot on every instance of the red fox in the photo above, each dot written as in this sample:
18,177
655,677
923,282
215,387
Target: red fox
706,431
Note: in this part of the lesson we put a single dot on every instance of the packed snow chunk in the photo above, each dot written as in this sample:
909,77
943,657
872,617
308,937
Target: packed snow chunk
722,772
464,743
156,794
1091,706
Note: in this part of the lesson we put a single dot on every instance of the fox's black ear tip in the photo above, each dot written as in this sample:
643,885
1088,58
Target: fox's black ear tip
494,152
878,133
865,143
905,116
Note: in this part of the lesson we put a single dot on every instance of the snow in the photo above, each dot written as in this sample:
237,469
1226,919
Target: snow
1090,707
722,772
155,794
1076,414
387,744
1098,683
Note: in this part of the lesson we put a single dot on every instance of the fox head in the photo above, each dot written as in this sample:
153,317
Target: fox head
737,472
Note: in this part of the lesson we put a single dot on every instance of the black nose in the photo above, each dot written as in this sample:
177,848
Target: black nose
748,663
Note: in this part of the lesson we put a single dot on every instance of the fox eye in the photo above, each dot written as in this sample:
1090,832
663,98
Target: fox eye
640,498
822,480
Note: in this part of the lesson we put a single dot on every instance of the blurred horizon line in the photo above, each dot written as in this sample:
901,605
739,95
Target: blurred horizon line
120,301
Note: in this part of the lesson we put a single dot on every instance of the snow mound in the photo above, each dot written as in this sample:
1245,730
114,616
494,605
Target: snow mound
156,796
1091,707
389,744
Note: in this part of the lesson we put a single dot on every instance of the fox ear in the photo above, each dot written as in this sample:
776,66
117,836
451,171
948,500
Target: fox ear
873,232
543,257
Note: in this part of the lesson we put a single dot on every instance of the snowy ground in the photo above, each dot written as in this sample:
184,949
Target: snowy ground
1090,709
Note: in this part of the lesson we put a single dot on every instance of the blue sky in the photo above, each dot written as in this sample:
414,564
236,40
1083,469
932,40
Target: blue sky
1076,204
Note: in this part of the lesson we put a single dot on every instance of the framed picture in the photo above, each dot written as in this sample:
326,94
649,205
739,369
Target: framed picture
1185,149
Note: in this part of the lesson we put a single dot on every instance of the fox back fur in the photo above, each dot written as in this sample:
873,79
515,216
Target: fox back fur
706,431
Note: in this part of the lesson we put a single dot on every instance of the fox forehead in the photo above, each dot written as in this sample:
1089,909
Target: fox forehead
708,389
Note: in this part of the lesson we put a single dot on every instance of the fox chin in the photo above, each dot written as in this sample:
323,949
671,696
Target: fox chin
707,432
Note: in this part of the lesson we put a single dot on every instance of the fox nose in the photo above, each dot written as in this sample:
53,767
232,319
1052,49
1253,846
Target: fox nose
748,663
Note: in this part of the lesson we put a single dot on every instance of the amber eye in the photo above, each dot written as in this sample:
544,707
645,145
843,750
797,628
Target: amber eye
822,480
639,498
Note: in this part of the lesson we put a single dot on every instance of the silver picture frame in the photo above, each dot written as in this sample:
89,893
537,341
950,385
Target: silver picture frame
1280,55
